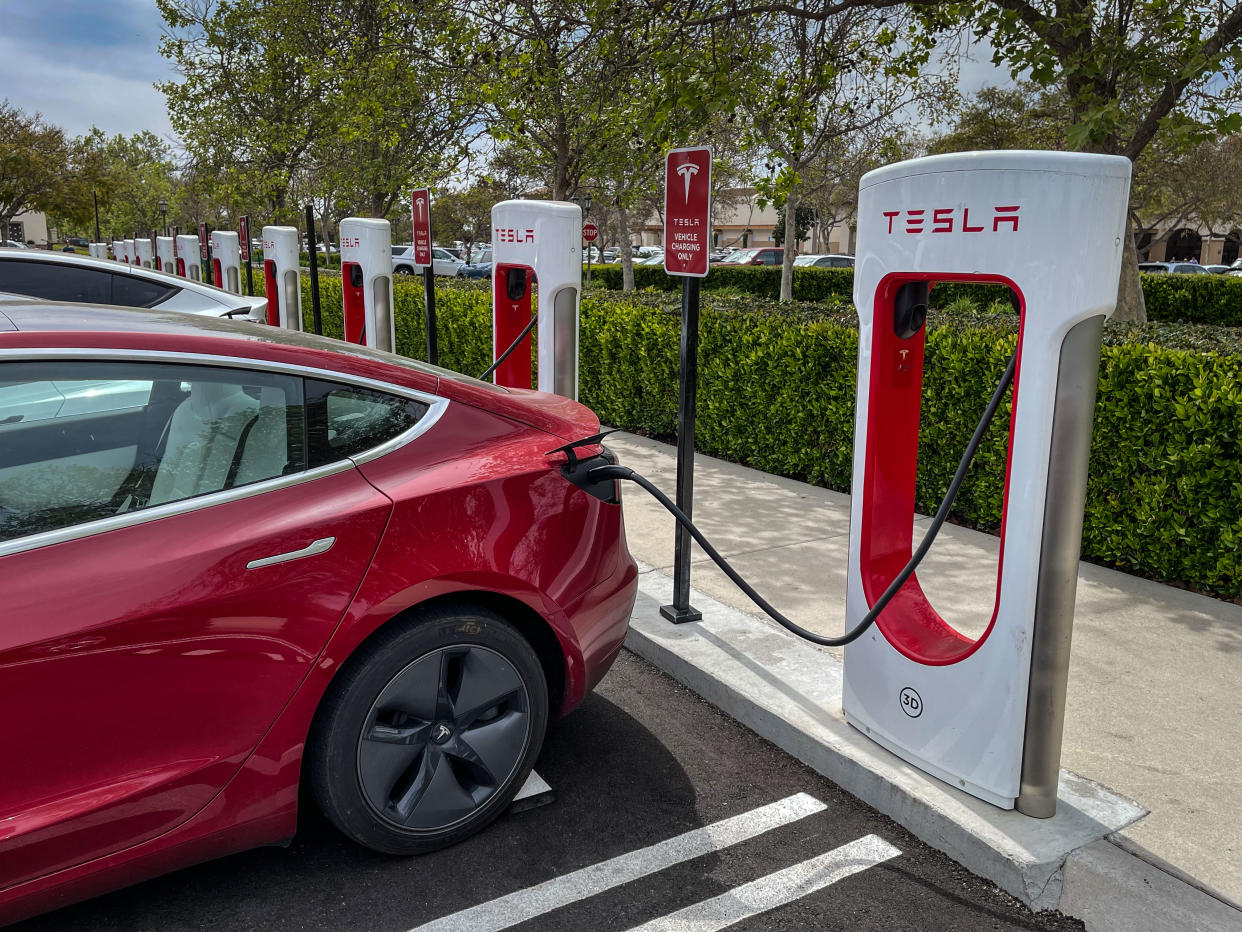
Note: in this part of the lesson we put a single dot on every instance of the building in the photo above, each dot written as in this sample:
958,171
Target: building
30,228
1190,242
739,221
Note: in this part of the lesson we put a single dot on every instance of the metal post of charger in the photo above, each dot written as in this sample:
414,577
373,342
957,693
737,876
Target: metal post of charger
314,269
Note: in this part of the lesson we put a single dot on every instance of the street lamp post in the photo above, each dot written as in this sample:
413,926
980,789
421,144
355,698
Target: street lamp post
164,215
95,199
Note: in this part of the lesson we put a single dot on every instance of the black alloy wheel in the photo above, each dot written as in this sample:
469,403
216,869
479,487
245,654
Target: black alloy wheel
430,733
404,270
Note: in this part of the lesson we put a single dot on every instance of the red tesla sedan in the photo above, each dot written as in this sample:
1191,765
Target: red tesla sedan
236,558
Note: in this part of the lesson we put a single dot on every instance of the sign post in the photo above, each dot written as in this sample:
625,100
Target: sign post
243,234
204,252
316,314
687,231
420,212
590,233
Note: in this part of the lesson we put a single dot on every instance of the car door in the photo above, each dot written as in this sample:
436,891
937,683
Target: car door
171,571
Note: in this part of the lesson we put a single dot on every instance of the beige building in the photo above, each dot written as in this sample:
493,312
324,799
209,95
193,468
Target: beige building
1191,242
739,221
29,228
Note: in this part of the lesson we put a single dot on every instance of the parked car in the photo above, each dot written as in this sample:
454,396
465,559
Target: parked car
654,258
442,261
1217,269
87,280
268,557
612,254
719,255
14,244
478,270
1183,268
765,255
828,261
592,253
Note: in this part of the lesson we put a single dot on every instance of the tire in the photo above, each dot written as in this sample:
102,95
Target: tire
430,732
404,270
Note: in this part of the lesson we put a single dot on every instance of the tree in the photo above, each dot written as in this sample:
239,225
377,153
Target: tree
1130,71
465,215
827,80
1020,117
802,225
34,164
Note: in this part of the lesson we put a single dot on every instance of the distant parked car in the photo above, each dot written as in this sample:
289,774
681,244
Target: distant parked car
765,255
828,261
14,244
443,261
478,270
87,280
612,254
77,241
655,258
1181,268
1217,269
719,255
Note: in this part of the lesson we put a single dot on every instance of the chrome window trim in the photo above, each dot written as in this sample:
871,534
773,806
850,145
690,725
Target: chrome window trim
436,407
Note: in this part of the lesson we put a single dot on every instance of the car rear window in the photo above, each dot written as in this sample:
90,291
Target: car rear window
55,282
132,291
347,420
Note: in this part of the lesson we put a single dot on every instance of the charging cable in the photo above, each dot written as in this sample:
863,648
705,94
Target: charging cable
603,473
534,318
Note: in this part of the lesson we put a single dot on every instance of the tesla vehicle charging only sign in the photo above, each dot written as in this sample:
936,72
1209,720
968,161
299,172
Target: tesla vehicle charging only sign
687,211
421,208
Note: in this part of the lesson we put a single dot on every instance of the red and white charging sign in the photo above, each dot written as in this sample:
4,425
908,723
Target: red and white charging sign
687,211
420,210
202,241
243,235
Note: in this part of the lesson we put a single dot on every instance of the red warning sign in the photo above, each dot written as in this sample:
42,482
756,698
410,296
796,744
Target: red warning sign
687,211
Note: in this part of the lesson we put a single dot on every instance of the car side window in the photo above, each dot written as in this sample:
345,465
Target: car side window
86,440
347,420
132,291
55,282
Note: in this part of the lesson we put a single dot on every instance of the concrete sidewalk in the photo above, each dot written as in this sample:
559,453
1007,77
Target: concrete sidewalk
1152,709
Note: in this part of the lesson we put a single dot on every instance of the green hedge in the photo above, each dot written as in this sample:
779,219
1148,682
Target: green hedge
1197,299
776,392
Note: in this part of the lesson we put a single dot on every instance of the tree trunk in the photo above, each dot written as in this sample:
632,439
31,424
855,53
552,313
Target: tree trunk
1130,303
791,244
627,254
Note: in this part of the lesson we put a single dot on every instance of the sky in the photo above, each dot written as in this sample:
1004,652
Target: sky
84,63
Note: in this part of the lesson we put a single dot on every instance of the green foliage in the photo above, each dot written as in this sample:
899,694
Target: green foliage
33,158
776,392
1199,299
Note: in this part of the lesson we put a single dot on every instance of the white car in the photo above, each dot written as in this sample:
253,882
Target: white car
828,261
58,276
14,244
443,261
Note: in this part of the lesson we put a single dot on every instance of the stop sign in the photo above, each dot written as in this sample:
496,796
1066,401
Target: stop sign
590,232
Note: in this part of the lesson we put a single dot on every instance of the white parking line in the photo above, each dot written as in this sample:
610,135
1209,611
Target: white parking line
776,889
521,905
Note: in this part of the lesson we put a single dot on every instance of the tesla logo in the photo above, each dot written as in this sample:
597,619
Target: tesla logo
419,203
510,235
351,242
441,733
950,220
687,171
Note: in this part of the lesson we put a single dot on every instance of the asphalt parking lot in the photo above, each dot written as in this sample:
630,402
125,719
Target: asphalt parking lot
668,815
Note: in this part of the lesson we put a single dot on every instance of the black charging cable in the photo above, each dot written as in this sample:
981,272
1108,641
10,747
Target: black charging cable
512,346
603,473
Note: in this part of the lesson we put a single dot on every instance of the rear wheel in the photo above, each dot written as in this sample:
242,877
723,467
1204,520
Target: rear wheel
431,732
404,270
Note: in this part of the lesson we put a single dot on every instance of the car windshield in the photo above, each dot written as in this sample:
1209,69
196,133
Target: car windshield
805,260
742,255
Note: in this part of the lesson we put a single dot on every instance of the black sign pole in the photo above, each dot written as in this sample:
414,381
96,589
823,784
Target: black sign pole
246,250
316,317
681,611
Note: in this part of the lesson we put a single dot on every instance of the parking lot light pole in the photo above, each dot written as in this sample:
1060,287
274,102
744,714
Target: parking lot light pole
163,217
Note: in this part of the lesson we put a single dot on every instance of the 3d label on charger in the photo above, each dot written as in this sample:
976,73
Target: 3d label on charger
687,211
420,210
953,220
510,235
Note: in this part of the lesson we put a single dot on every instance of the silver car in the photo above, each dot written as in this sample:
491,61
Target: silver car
444,262
86,280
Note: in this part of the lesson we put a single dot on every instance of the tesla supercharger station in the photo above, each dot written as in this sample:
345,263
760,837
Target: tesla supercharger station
188,265
143,254
366,282
165,261
99,250
537,242
118,250
281,284
983,714
127,247
226,260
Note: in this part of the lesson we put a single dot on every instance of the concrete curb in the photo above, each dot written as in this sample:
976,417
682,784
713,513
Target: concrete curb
788,691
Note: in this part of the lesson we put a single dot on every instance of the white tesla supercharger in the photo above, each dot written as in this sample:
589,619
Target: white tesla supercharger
226,260
366,282
118,250
188,263
98,250
127,251
165,260
281,282
984,714
144,255
537,243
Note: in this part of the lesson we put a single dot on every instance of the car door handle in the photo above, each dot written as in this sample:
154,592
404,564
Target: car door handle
319,546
